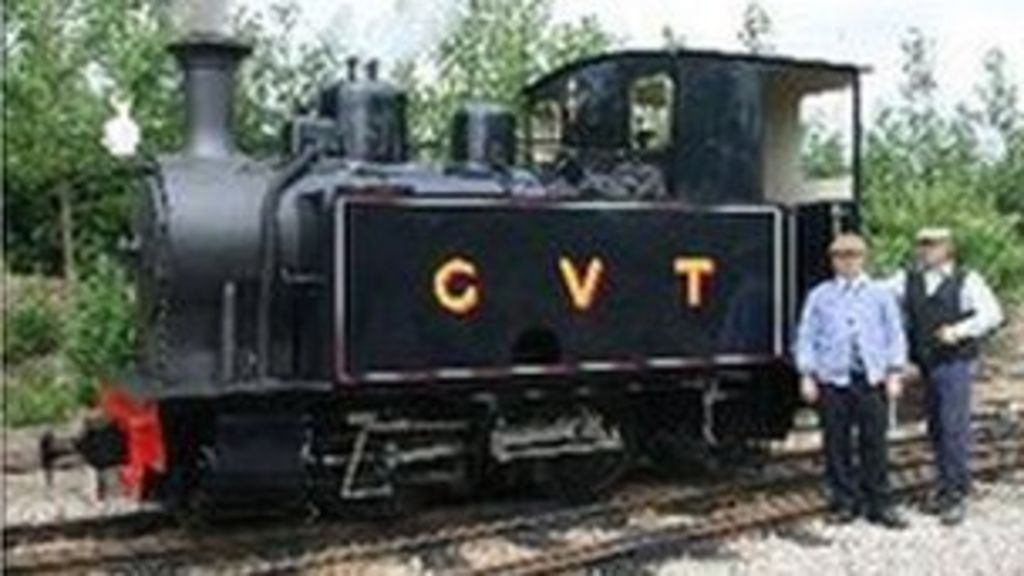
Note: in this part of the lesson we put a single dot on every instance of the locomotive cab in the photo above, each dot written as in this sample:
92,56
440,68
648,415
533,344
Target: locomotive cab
720,128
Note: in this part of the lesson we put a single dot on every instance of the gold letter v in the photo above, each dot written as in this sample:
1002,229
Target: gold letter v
581,293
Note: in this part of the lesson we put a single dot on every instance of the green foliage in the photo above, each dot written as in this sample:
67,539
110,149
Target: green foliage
50,137
986,239
66,61
928,167
823,154
280,73
61,343
1002,118
31,323
99,337
39,392
493,49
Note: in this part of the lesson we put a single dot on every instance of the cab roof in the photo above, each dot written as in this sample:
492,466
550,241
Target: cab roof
822,74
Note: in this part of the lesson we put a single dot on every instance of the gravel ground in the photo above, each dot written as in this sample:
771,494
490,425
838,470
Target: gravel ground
989,543
27,498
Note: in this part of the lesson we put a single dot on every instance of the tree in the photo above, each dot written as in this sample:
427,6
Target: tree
1001,125
280,74
822,154
67,201
493,49
52,121
757,29
671,39
924,166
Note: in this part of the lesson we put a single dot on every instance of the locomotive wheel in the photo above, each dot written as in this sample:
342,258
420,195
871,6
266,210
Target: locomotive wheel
582,478
402,501
194,507
204,505
675,454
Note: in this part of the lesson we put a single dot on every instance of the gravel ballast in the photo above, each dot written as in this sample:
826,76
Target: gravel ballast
989,543
28,500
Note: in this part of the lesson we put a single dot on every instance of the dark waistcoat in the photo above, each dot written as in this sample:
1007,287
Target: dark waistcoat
926,313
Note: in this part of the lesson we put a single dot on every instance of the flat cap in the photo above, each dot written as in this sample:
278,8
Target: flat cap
847,242
934,234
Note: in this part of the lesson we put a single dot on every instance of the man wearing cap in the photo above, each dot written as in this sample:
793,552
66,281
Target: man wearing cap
850,351
948,310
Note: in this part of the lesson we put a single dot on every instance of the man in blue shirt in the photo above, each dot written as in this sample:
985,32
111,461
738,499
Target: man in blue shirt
850,351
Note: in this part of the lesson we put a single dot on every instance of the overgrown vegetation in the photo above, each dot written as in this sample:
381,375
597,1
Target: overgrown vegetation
962,169
40,392
37,386
61,340
69,202
99,325
31,322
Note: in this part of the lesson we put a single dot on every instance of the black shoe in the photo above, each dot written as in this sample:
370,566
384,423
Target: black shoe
954,513
936,503
842,515
888,518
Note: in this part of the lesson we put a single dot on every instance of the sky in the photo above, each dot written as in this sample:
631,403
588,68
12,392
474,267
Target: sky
865,32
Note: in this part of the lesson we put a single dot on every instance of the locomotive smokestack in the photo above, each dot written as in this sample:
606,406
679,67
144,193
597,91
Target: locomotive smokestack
209,62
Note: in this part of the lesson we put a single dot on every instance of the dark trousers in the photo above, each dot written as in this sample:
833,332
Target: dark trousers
948,397
843,408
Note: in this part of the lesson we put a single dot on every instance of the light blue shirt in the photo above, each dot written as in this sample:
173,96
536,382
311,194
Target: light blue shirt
847,325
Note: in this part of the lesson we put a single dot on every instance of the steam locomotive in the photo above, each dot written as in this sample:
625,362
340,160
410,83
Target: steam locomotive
615,278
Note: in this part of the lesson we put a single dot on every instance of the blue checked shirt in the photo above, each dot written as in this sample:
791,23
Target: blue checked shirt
850,326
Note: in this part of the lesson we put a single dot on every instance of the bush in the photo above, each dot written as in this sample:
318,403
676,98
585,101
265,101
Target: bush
986,239
58,347
31,321
39,392
100,326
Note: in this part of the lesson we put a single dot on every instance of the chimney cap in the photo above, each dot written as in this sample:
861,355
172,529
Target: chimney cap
209,42
209,62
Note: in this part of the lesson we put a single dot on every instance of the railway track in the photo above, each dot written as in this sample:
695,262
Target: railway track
784,490
760,510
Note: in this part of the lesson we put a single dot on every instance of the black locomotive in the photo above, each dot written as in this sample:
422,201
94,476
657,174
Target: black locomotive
346,325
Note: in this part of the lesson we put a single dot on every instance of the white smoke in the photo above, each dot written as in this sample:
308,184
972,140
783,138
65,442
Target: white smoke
207,17
391,31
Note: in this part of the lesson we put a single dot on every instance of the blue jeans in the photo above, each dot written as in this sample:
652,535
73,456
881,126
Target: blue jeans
948,396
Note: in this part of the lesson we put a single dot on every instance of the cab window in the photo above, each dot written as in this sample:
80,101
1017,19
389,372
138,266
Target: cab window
651,99
546,128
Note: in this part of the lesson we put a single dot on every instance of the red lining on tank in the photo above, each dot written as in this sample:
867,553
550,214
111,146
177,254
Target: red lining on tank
139,424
